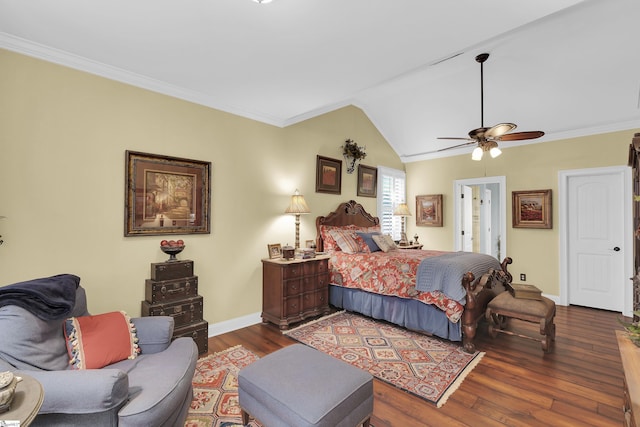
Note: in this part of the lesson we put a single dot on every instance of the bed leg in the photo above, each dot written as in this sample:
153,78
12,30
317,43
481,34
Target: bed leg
468,334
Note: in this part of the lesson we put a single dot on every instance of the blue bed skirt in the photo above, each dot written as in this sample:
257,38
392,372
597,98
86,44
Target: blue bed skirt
407,313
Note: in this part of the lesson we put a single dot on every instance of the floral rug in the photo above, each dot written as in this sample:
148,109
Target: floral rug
428,367
215,389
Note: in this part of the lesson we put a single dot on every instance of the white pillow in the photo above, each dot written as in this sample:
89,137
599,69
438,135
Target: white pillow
384,242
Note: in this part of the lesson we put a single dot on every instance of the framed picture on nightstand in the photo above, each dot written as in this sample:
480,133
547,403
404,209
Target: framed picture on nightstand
275,250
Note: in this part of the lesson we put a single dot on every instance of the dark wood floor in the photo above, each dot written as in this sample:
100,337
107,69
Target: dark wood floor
578,384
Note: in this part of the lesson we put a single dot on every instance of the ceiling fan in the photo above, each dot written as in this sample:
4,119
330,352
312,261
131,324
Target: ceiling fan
487,137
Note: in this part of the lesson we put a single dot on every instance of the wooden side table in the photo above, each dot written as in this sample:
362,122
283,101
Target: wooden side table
416,246
26,402
294,290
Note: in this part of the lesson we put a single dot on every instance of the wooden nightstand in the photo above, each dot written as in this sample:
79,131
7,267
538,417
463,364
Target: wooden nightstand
418,246
294,290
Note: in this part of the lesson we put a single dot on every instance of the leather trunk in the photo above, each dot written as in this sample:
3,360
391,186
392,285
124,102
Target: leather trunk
184,312
171,270
199,332
160,291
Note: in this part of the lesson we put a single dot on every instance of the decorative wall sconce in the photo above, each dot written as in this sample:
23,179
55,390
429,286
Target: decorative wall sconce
297,206
352,153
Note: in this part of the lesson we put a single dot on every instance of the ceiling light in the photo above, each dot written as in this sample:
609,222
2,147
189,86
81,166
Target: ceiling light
477,154
495,152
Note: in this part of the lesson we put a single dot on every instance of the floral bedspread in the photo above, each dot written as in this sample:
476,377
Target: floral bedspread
391,273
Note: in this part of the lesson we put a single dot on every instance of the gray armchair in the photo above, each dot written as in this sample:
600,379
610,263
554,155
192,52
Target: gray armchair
154,389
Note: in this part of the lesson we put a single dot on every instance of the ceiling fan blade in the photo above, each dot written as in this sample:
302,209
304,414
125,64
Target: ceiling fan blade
499,130
456,138
520,136
459,145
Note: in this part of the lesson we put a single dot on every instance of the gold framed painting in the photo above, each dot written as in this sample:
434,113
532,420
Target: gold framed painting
166,195
531,209
429,210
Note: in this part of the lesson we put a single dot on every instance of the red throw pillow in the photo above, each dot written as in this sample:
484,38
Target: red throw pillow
94,342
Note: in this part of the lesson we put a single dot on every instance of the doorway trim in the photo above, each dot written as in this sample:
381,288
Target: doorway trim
457,191
563,230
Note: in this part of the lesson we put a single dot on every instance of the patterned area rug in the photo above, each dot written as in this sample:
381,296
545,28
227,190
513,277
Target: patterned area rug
428,367
215,389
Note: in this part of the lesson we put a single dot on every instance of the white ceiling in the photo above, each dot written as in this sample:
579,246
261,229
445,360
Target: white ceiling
567,67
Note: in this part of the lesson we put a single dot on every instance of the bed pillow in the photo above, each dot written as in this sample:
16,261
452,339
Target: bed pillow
328,242
384,242
348,241
368,240
94,342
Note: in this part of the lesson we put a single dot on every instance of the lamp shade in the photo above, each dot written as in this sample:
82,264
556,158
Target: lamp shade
477,154
298,205
402,210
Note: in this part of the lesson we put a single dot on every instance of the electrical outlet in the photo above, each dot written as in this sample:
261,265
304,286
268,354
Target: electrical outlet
523,277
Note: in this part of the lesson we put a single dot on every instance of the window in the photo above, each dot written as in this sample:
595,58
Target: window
391,192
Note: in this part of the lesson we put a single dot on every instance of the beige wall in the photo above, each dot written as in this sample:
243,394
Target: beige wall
63,136
529,167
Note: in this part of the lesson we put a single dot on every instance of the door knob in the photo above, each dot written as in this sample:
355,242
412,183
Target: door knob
617,249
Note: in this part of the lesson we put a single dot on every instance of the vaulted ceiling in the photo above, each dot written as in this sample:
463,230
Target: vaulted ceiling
567,67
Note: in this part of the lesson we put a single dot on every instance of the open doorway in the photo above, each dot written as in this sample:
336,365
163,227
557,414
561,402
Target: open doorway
481,215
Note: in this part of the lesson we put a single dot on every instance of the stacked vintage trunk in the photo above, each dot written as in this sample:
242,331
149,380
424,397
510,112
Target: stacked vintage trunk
173,291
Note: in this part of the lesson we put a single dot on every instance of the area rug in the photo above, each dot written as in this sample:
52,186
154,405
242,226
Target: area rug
427,367
215,389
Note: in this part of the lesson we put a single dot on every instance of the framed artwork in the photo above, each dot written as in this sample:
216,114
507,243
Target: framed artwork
328,175
310,244
275,250
429,210
166,195
531,209
367,181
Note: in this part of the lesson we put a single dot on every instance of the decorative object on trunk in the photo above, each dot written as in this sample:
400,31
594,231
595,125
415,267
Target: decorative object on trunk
352,153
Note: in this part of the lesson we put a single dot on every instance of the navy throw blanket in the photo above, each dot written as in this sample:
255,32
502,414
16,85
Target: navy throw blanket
48,298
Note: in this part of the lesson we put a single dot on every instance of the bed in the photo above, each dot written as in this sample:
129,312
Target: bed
397,286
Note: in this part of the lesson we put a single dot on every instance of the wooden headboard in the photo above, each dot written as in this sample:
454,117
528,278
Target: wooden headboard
348,213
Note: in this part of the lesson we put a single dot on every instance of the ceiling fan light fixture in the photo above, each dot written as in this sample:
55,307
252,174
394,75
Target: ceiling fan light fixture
477,154
495,152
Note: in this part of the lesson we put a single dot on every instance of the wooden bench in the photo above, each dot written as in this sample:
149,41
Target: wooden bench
505,307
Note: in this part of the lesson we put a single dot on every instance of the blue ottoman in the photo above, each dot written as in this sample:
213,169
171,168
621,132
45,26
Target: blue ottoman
298,386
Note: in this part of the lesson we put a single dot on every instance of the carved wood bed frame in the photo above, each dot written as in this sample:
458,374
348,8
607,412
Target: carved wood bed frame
478,291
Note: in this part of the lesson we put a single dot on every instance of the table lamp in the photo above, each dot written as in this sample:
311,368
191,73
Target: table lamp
296,207
402,210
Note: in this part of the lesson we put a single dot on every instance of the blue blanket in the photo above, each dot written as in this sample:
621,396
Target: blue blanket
48,298
444,272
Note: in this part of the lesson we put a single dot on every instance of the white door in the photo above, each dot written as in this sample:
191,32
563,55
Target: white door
595,220
467,219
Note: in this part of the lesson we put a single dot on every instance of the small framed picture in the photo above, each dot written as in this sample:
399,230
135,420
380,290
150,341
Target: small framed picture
531,209
328,175
367,181
275,250
310,244
429,210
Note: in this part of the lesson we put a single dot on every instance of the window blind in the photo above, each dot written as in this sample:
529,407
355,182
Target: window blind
391,192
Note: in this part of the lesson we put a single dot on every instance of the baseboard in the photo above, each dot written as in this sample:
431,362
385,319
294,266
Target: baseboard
554,298
233,324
